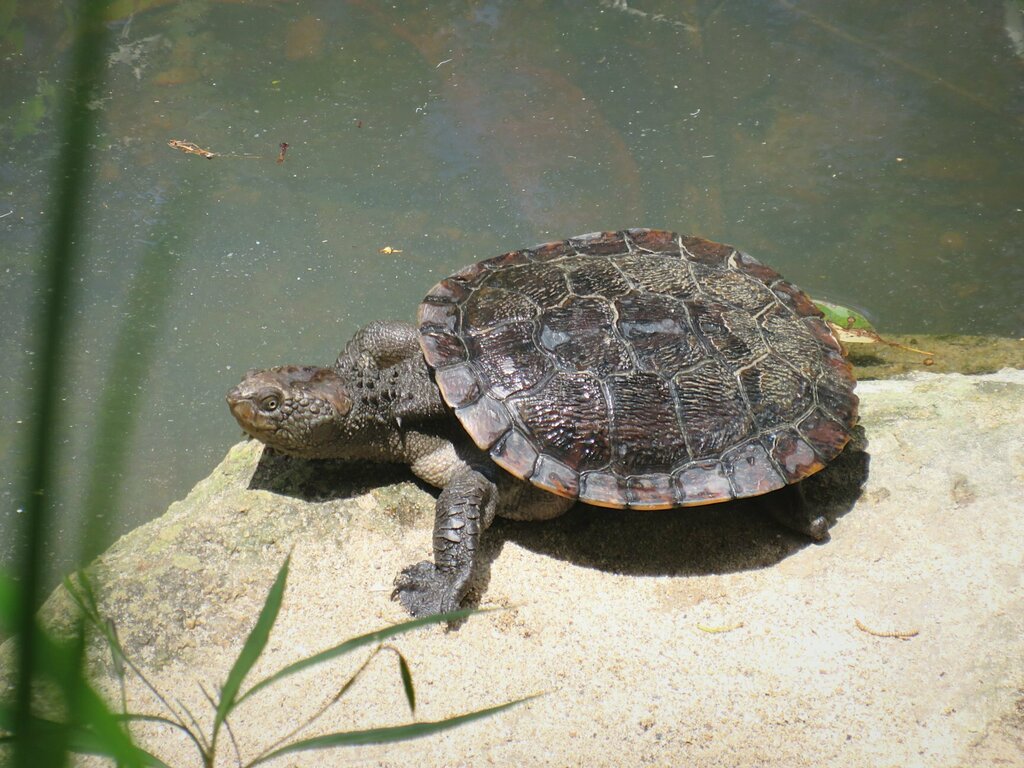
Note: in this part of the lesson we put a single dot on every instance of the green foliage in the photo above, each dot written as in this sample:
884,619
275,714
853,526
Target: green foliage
251,651
384,735
87,725
844,317
91,728
9,608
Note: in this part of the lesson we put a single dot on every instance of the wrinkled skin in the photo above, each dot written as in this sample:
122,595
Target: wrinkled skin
379,403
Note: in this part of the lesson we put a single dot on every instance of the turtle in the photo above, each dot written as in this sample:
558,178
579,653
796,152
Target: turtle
637,369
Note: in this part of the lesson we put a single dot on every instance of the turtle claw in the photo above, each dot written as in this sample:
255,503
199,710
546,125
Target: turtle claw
817,528
423,589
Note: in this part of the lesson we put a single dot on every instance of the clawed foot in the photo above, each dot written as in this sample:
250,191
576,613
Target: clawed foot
814,528
789,508
423,590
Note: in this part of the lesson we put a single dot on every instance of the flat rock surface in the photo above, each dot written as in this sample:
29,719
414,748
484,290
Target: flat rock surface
700,637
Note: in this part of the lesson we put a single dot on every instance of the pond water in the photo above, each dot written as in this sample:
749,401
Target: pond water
870,151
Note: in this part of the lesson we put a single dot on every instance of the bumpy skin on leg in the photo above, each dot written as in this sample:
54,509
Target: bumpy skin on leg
389,352
380,344
464,510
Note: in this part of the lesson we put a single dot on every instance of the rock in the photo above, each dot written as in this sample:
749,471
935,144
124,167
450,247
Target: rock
705,636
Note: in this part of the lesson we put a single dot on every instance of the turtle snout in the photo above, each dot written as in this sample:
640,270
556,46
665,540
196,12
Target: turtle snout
235,397
242,407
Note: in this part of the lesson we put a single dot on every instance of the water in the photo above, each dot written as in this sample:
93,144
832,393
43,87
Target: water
868,151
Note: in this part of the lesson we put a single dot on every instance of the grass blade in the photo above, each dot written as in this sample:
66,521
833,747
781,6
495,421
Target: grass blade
134,718
371,638
254,645
410,692
389,734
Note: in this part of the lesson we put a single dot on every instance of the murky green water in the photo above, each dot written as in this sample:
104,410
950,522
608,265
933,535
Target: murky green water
870,151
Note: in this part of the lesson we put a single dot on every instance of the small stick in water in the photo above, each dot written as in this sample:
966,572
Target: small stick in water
192,149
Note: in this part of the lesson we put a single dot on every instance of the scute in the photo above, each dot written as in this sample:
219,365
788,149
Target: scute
568,417
580,336
640,369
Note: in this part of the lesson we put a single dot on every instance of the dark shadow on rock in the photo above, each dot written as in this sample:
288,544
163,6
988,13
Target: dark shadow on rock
713,539
321,479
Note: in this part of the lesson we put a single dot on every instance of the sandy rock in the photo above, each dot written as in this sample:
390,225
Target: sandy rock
701,637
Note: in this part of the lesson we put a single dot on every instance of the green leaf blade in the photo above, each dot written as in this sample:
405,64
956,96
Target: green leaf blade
390,734
254,645
371,638
410,692
844,317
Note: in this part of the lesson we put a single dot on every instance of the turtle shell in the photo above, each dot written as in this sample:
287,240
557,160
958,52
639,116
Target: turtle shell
640,369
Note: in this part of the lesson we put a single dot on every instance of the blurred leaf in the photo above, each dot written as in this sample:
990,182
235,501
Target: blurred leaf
82,740
91,727
35,657
90,717
131,362
8,604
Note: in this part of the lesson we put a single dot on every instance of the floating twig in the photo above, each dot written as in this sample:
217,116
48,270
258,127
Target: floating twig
851,335
388,250
899,635
192,149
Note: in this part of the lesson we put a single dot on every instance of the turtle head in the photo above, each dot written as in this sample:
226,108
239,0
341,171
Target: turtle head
297,410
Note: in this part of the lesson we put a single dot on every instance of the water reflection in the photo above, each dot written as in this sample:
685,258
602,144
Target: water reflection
869,151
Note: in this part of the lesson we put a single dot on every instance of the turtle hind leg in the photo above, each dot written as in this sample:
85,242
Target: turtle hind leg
464,510
789,507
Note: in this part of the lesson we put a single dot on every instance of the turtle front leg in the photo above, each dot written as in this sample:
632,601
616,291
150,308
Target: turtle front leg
464,510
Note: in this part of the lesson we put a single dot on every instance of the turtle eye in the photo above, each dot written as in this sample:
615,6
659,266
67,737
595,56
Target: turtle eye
270,402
